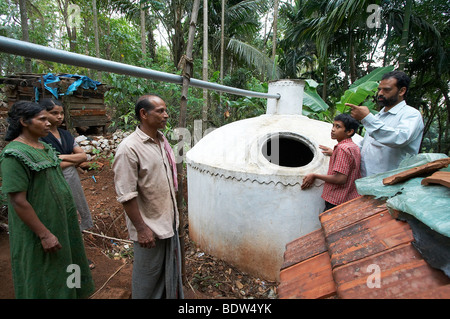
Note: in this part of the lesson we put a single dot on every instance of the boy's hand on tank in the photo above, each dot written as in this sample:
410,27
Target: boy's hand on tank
326,150
308,181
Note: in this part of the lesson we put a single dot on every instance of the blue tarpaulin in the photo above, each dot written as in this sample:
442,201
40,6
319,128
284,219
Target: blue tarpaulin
48,78
83,81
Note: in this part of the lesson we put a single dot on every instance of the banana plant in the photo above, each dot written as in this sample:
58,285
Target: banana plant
312,102
362,90
359,93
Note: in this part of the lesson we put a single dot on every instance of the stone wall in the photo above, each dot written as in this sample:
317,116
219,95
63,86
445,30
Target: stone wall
101,147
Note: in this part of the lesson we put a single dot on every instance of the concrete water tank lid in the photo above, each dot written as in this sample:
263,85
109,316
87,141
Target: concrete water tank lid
239,150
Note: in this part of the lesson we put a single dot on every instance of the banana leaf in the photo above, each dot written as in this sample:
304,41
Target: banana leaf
357,95
375,75
312,102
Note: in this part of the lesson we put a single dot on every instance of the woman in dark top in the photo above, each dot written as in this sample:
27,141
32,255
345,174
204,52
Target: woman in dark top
71,155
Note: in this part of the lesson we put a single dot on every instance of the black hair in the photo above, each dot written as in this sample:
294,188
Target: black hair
144,103
403,80
349,122
25,110
49,104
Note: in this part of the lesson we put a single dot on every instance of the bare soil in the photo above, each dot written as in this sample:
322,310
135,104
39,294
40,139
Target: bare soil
205,277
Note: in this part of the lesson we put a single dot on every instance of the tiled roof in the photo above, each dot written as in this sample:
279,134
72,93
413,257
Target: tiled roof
361,251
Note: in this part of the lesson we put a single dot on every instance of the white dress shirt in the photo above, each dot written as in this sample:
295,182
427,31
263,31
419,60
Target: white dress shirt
390,137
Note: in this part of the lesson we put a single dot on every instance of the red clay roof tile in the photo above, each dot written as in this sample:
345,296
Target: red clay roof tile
361,251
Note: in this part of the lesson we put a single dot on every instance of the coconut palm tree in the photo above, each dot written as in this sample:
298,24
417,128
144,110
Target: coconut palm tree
241,24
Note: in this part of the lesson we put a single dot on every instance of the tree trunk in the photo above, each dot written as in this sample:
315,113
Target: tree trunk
325,75
444,89
95,23
353,76
275,22
25,35
96,37
91,72
151,40
222,40
108,45
386,49
325,79
404,40
222,53
187,73
71,32
177,40
143,37
352,59
205,63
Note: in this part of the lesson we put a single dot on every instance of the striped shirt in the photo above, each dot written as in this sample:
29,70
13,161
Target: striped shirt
346,159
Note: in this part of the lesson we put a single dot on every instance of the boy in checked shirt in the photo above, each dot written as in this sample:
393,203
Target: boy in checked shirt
344,167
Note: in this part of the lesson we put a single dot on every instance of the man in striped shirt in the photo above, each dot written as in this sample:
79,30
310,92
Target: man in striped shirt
344,167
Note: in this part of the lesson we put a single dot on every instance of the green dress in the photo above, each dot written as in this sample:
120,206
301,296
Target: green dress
37,274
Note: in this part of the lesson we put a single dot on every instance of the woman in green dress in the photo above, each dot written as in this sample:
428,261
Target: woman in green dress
47,250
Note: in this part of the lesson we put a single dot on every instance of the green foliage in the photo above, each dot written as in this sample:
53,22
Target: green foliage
375,75
360,93
327,42
312,102
357,95
362,90
233,107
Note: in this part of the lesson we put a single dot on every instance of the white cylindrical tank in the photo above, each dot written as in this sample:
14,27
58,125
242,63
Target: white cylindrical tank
244,197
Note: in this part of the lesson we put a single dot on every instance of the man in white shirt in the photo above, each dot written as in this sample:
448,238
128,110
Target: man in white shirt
395,132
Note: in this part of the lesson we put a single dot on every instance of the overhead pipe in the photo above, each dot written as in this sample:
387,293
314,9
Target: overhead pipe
36,51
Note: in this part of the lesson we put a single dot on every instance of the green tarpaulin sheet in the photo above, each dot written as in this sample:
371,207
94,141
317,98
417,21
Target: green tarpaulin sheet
429,204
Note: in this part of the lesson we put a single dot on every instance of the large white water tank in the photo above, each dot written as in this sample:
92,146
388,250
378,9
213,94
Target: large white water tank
244,197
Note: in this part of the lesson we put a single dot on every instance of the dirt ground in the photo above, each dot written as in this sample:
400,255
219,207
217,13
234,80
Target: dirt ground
206,277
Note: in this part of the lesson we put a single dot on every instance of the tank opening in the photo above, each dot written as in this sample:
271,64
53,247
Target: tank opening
287,151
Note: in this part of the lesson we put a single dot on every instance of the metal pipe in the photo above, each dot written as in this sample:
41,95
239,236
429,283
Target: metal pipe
35,51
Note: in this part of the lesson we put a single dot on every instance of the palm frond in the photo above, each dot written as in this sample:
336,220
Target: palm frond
245,8
254,57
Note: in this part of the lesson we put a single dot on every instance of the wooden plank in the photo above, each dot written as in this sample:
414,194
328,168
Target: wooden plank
26,90
440,177
83,100
84,106
25,98
304,247
87,112
417,171
402,272
350,212
89,121
370,236
310,279
441,292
